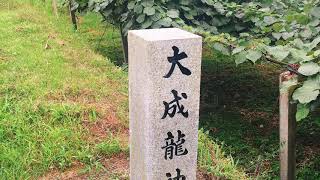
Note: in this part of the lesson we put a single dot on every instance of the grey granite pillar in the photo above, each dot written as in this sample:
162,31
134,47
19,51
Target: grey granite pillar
164,93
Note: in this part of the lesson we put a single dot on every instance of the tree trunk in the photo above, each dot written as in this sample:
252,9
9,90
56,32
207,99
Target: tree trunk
124,39
55,7
73,16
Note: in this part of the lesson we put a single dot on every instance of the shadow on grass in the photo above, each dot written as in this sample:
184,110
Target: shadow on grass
115,56
108,45
104,38
239,108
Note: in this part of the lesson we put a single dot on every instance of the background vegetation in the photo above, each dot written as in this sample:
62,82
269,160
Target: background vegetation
282,32
63,93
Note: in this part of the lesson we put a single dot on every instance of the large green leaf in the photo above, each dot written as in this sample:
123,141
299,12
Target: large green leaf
240,57
149,11
156,17
305,95
313,44
302,112
277,35
131,5
147,3
312,82
269,20
173,13
146,24
299,56
278,52
309,68
253,55
287,35
308,92
222,48
165,22
141,18
238,50
138,9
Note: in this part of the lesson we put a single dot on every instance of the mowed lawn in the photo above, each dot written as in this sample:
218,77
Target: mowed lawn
61,104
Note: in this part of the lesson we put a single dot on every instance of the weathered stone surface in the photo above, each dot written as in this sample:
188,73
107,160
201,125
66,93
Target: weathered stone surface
149,90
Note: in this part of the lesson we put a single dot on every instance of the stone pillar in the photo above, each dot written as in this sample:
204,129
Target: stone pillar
287,129
164,93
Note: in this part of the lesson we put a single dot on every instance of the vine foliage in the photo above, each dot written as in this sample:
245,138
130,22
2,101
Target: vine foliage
285,32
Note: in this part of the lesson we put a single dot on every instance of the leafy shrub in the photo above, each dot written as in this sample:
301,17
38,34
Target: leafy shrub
285,32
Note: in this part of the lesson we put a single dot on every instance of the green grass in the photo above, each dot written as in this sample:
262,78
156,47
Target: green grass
46,94
50,98
110,147
214,161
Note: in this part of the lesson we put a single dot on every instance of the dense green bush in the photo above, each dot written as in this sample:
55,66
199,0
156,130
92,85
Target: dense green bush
285,32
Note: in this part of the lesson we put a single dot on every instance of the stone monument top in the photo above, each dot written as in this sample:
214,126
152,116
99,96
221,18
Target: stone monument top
163,34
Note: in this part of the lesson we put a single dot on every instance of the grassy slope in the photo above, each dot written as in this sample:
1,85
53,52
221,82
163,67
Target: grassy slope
50,98
65,105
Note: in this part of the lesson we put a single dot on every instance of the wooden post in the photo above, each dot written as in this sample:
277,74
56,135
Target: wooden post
287,129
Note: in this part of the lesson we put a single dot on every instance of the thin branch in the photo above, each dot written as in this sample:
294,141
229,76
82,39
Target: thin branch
282,64
104,32
285,65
